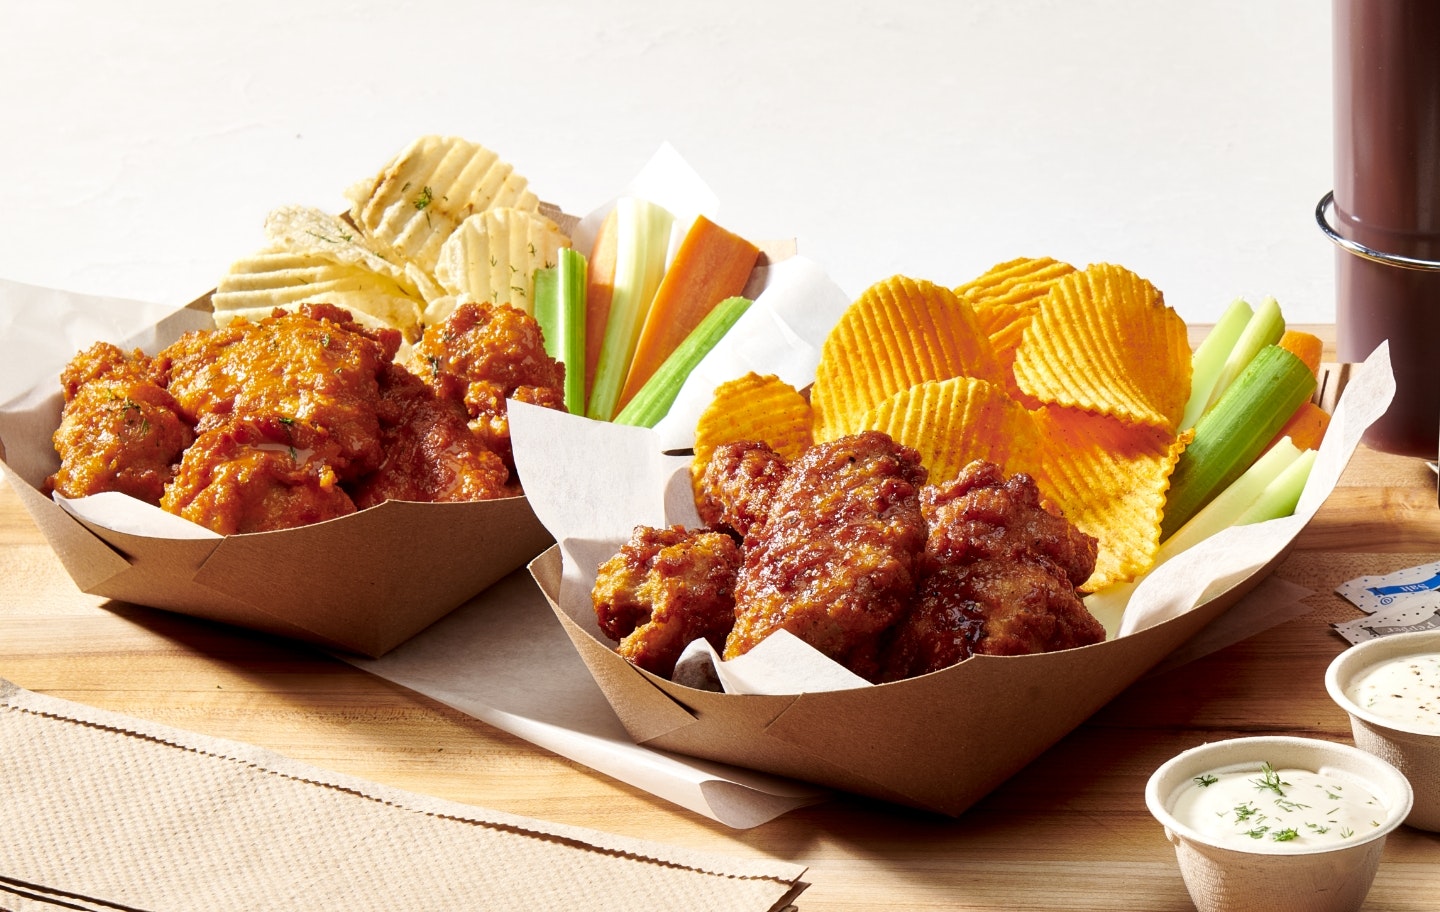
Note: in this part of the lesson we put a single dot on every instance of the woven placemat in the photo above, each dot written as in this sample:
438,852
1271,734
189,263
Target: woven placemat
99,811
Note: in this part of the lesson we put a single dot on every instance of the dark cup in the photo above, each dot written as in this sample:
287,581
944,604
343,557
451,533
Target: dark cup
1387,206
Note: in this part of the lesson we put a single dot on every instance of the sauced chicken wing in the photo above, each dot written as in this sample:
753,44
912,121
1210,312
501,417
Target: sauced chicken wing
664,589
314,369
737,485
998,577
245,476
484,354
834,560
430,452
119,430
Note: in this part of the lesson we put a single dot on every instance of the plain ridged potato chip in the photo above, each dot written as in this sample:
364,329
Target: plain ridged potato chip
952,422
286,278
1109,477
314,231
1007,296
1104,341
898,333
492,256
425,192
753,407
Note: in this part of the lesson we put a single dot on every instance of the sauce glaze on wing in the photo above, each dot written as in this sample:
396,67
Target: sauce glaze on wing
834,560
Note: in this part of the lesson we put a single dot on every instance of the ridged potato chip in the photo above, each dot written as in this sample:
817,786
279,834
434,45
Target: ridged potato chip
898,333
284,278
1109,477
1103,340
1007,296
425,192
492,256
952,422
313,231
753,407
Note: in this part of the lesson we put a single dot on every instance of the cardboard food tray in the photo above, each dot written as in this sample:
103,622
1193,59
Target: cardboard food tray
938,742
942,741
362,583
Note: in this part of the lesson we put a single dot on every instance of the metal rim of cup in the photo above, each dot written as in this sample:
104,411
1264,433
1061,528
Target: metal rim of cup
1391,259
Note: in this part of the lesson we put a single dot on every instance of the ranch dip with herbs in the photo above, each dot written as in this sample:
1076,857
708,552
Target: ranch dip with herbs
1261,809
1404,690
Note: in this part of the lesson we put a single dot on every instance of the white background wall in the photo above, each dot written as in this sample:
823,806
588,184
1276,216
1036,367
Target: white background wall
143,142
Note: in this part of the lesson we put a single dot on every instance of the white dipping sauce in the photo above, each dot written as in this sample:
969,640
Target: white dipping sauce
1261,809
1404,690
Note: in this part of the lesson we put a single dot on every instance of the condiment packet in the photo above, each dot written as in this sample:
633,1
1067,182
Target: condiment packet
1372,593
1417,612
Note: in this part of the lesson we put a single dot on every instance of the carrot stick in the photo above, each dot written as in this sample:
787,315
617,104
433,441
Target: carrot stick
711,265
1308,347
1306,428
599,289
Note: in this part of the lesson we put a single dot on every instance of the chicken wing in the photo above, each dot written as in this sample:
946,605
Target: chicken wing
119,429
664,589
484,354
430,453
737,484
835,559
314,369
245,477
998,577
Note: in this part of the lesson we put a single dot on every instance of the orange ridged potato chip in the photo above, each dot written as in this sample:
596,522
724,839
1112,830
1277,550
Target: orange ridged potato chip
952,422
898,333
1103,340
753,407
1006,297
1109,478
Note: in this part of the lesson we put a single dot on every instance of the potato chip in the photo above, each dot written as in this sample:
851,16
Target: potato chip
302,229
284,278
1109,477
492,256
898,333
1103,340
425,192
753,407
952,422
1008,295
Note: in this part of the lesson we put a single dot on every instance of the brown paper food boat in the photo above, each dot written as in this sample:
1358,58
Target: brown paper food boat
363,583
939,742
942,741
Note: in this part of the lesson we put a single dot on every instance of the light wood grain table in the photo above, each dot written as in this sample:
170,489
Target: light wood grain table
1070,831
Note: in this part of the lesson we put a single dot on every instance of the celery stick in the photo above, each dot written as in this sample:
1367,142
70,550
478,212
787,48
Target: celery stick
642,239
560,311
547,308
1282,495
1210,356
1255,496
654,399
1226,508
1264,328
1235,431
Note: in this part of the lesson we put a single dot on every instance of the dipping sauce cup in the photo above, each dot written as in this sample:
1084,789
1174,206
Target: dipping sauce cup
1390,687
1278,823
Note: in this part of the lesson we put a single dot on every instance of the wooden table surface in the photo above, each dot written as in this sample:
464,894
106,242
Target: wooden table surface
1070,831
